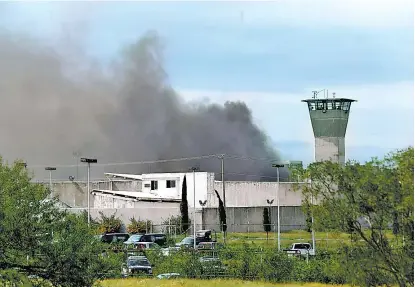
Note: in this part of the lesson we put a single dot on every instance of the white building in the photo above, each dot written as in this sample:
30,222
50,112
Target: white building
168,187
157,197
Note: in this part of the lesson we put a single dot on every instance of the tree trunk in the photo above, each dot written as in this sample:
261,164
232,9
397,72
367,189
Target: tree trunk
267,237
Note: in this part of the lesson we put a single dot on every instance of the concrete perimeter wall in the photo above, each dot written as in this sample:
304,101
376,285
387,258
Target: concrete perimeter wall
250,219
249,194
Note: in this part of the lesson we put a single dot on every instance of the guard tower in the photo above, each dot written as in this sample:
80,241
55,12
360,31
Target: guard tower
329,117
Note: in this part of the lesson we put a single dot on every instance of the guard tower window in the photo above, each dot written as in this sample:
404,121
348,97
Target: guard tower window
320,106
329,105
312,106
154,185
346,106
338,105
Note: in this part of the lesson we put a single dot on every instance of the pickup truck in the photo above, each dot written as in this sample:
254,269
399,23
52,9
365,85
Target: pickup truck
300,249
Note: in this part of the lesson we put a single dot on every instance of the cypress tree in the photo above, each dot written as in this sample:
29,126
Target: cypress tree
184,208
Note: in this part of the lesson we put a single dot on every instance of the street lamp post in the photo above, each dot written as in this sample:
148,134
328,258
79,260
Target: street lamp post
50,169
270,202
194,169
278,165
202,204
89,161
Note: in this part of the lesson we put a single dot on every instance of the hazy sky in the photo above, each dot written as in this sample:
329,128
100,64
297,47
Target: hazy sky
269,54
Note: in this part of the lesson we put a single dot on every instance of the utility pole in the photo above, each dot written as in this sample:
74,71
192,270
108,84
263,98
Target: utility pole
89,161
194,206
278,165
222,160
313,236
270,202
50,169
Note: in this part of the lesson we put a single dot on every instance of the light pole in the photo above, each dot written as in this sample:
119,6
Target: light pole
89,161
194,206
313,236
50,169
270,202
202,204
278,165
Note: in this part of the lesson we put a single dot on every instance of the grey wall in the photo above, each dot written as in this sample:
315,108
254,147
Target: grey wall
249,219
74,193
249,193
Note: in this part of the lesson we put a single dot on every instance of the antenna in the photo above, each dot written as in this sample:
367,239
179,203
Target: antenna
334,95
315,94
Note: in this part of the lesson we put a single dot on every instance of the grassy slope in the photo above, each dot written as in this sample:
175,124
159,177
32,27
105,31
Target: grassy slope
324,240
197,283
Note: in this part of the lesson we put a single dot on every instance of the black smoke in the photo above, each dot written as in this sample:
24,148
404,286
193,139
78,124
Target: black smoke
54,104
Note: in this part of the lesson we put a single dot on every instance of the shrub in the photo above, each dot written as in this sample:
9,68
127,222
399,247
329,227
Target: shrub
172,225
138,226
109,224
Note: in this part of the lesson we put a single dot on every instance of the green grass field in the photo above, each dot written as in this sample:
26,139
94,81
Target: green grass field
324,240
199,283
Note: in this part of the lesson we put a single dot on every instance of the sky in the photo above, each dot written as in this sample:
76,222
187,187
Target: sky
269,54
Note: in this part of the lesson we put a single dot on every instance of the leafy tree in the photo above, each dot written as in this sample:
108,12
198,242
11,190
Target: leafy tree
39,239
368,200
222,213
138,226
306,207
184,208
109,224
266,221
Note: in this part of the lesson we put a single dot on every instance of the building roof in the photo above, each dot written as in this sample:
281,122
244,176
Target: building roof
329,99
145,196
125,175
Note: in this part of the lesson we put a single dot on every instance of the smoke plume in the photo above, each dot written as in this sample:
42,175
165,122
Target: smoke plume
56,107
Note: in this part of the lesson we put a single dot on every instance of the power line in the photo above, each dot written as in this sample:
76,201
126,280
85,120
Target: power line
186,171
236,157
136,162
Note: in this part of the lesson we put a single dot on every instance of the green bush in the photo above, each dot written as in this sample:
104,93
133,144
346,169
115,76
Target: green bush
109,224
138,226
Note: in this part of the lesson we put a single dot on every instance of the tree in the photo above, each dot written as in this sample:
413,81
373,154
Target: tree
109,224
138,226
367,200
184,208
266,221
222,213
37,238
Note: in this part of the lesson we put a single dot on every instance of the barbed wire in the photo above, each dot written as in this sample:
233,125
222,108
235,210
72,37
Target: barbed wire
218,156
181,171
133,162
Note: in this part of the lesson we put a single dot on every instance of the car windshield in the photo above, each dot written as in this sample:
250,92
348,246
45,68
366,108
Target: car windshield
187,240
134,238
138,262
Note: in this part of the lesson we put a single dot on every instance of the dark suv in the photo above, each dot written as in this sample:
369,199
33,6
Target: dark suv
114,237
158,238
137,265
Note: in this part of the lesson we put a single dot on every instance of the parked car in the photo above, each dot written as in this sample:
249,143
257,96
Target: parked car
147,245
300,249
187,242
137,265
114,237
168,276
159,238
134,238
205,235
